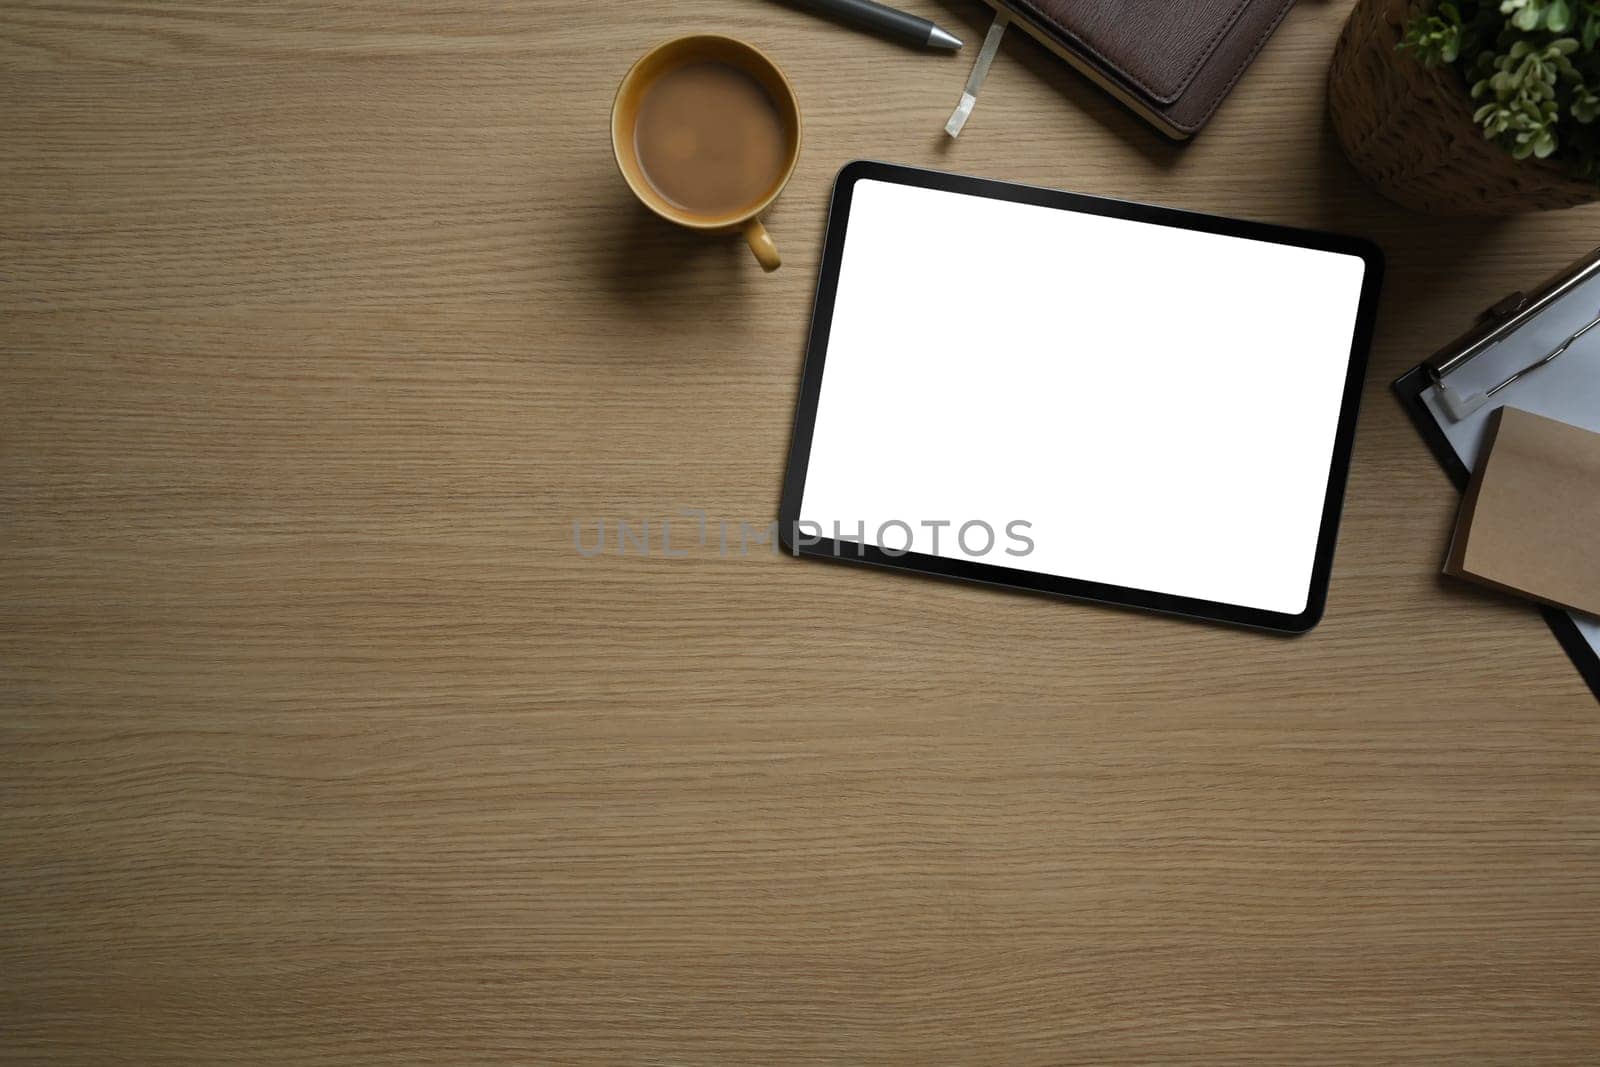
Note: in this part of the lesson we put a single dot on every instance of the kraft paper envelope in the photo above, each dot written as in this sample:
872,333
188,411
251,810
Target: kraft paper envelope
1530,522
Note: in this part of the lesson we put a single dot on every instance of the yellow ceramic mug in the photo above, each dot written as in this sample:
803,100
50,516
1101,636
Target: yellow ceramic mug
670,57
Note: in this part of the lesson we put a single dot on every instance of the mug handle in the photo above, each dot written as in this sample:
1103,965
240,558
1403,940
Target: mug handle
762,245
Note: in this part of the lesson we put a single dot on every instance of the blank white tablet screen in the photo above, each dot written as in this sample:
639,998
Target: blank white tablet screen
1158,404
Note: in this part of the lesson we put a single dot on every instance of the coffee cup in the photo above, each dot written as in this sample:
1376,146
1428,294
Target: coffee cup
706,132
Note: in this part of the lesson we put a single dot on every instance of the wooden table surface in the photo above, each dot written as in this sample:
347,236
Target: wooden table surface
322,323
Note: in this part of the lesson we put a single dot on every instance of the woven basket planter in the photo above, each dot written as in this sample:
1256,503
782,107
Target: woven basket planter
1409,130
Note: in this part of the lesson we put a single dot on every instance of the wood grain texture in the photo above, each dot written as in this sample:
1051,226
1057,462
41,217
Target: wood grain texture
322,322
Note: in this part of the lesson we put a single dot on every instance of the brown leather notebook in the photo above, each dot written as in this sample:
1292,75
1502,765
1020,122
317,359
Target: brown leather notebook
1171,61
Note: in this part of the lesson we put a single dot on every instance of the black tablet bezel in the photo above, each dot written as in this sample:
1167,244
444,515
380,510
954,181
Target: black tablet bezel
1033,581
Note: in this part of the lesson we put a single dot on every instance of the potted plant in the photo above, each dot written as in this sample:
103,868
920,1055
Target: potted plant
1471,107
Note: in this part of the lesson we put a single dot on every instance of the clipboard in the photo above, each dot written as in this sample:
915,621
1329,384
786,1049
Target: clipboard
1518,330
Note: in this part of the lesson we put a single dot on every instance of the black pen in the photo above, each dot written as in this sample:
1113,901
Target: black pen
895,25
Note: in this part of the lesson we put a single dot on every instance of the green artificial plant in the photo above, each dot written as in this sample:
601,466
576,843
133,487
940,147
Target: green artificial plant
1533,67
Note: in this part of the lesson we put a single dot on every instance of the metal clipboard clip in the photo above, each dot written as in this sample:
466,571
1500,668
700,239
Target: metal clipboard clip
1459,405
1498,322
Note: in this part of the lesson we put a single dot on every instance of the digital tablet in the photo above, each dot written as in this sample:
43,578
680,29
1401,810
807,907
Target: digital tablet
1079,396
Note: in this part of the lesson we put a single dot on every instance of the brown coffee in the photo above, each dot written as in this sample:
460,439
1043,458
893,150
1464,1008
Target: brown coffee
709,139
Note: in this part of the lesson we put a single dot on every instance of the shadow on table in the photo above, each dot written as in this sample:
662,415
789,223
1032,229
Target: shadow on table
653,266
1423,251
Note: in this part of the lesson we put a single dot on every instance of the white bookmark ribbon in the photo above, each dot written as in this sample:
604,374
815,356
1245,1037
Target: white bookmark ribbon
980,71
